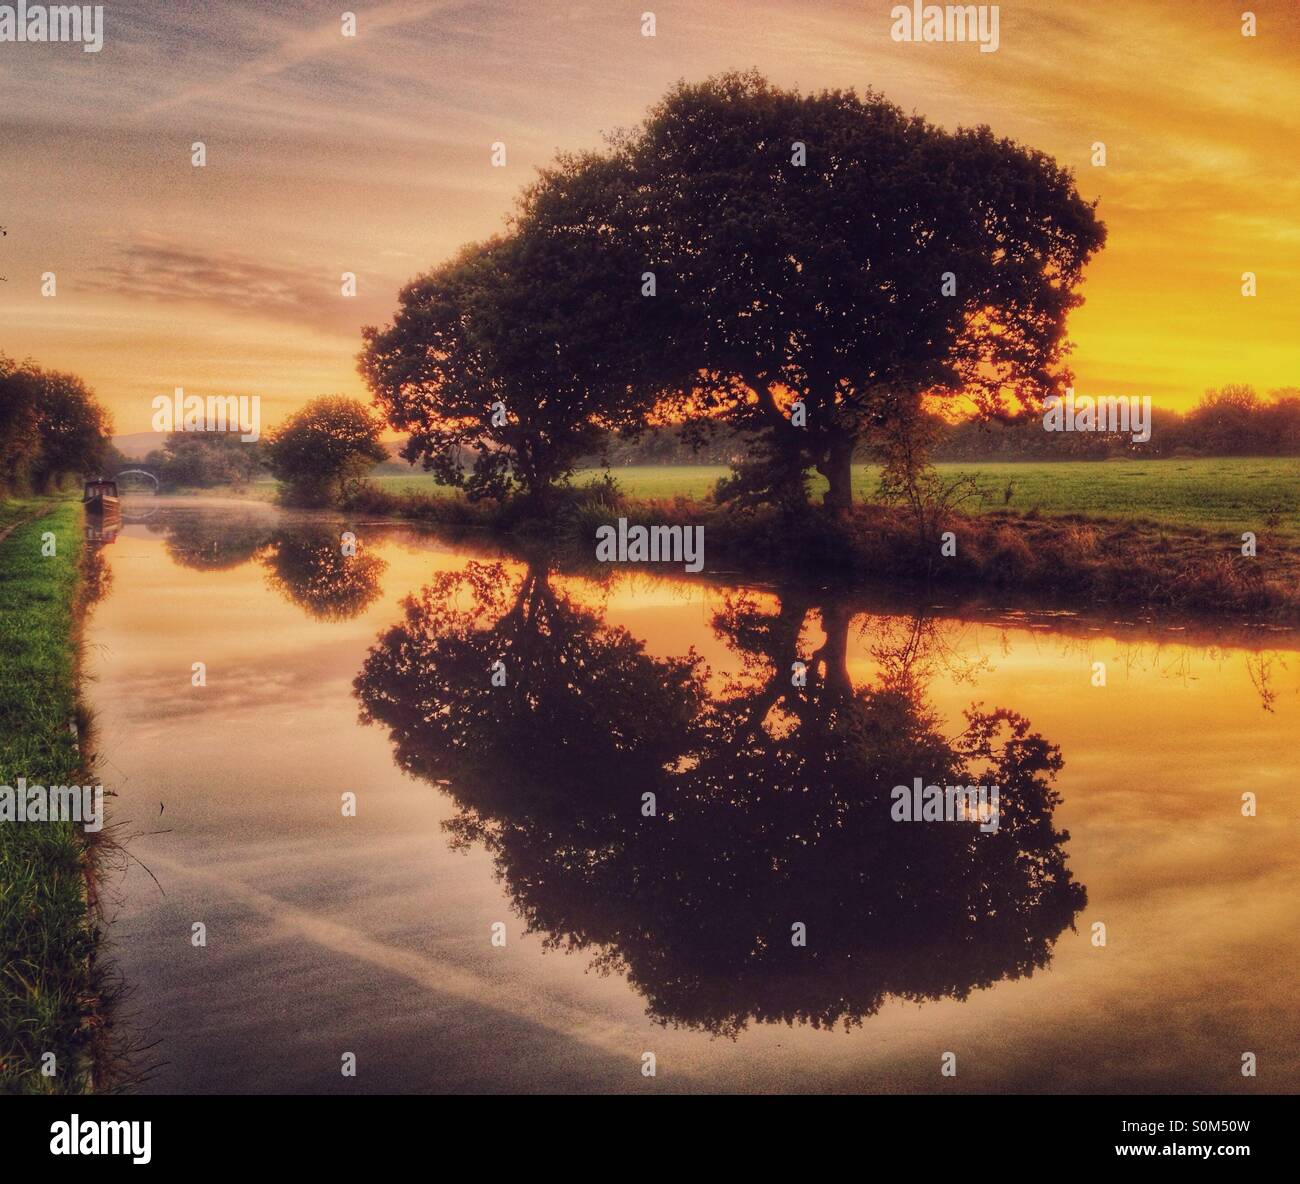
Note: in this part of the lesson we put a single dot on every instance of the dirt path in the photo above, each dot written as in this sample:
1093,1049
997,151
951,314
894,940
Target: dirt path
41,513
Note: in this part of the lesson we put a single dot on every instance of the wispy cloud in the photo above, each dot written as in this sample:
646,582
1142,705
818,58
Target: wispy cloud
296,46
288,290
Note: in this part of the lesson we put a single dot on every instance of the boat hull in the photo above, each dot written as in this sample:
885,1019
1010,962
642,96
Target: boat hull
102,505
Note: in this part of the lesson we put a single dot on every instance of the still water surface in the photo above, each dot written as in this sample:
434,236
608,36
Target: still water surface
626,933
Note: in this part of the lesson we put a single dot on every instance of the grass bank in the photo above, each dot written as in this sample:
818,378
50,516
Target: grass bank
1229,494
49,982
1071,561
1218,494
1067,561
14,510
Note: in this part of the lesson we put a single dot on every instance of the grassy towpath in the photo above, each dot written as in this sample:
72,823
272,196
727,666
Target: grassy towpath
49,990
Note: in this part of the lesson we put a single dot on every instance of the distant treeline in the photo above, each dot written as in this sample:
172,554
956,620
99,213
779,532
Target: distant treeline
1231,421
201,460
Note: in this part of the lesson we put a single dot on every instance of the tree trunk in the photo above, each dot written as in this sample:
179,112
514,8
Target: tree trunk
837,468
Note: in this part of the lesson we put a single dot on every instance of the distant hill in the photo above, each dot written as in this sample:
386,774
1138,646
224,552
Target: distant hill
138,445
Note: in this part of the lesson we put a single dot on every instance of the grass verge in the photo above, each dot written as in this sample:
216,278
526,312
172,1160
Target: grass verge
49,983
1229,494
1060,560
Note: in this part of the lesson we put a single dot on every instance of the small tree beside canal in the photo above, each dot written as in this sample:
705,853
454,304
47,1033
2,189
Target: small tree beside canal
323,452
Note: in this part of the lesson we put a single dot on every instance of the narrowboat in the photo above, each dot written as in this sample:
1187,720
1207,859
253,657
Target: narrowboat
100,498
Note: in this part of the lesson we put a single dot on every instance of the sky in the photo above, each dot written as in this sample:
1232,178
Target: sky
372,155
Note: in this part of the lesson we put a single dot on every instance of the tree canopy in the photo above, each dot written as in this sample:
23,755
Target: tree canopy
831,249
323,451
51,425
521,352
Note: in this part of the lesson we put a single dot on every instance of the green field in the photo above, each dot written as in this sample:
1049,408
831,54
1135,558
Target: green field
1234,494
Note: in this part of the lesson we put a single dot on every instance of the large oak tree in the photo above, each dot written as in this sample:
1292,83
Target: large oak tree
833,249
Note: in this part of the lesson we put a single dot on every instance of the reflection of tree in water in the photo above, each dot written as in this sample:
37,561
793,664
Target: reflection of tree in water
307,566
304,562
1184,661
203,541
97,576
917,911
585,717
773,806
1260,669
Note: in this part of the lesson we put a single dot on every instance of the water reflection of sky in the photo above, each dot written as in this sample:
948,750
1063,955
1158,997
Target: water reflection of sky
371,934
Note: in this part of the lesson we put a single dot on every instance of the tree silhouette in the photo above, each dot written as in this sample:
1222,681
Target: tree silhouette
832,249
19,438
51,424
520,352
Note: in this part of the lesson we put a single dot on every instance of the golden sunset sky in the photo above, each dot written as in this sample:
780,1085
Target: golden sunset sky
372,155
